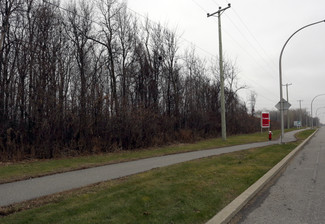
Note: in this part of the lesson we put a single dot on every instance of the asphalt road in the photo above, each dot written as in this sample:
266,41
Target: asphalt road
298,196
37,187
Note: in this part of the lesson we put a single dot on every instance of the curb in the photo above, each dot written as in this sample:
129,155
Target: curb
227,213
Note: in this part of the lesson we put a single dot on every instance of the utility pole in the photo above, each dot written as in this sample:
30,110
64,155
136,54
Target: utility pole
288,117
300,116
222,84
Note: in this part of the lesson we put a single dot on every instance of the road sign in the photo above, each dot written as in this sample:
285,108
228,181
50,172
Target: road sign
286,105
265,120
297,123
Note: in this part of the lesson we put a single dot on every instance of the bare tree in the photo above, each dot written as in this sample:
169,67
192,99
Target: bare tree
8,8
126,35
172,76
72,81
108,38
78,28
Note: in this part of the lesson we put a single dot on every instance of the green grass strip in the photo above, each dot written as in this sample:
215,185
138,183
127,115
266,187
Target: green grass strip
190,192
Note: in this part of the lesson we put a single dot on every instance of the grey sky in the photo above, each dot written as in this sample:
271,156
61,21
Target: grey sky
254,32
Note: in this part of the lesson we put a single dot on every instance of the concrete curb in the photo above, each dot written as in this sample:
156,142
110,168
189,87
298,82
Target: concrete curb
227,213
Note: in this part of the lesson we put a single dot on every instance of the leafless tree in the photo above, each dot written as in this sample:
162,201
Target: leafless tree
91,76
78,28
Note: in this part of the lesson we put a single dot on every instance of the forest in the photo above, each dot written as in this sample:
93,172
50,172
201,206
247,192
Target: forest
92,76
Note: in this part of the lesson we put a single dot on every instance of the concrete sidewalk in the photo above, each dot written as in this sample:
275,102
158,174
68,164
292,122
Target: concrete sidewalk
20,191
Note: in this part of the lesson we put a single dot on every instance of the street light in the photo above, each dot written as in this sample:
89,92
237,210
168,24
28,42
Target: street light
280,74
319,122
318,110
317,113
319,118
311,109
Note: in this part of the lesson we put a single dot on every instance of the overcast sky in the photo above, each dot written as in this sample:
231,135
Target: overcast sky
254,32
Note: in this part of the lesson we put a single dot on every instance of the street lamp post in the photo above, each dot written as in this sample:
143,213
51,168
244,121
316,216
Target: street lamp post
318,110
317,113
311,109
280,75
319,122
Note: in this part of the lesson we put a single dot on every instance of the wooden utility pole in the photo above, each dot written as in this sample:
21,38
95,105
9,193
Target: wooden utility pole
222,84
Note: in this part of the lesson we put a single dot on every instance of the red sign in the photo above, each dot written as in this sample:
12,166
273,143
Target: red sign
265,120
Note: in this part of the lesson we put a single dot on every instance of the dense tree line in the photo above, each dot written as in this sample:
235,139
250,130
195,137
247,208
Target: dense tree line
92,77
294,115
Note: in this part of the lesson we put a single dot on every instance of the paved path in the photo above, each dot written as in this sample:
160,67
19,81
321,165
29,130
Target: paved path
37,187
298,195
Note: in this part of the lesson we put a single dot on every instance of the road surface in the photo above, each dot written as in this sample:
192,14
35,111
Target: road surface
298,196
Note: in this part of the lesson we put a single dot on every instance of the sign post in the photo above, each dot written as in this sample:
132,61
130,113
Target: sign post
297,124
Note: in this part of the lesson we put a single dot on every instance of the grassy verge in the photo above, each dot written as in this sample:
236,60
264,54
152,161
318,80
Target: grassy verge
18,171
190,192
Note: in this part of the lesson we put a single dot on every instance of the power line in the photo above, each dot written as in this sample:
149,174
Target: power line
234,38
252,46
251,34
248,53
249,31
250,43
259,85
139,14
215,2
69,11
188,41
146,17
198,5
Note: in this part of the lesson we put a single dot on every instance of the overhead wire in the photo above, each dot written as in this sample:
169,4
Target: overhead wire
263,56
251,33
190,42
234,38
69,11
250,43
216,3
139,14
248,30
198,5
249,54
